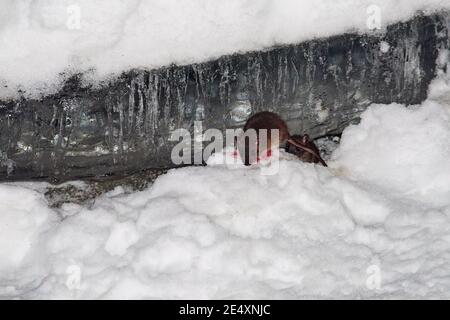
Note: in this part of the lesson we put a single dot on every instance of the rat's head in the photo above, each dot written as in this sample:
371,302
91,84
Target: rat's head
263,132
252,143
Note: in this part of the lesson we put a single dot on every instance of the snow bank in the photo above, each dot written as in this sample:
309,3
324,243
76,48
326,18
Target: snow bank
375,224
417,159
41,39
24,220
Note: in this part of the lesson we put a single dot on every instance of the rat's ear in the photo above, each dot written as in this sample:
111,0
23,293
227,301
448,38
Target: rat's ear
305,138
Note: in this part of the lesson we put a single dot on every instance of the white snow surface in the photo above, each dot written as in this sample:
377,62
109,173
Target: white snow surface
44,41
375,224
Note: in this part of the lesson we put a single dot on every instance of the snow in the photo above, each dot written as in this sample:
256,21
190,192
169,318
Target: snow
420,155
25,218
122,236
375,224
45,41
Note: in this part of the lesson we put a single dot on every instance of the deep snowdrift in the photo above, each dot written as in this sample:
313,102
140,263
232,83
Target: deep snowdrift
376,224
42,38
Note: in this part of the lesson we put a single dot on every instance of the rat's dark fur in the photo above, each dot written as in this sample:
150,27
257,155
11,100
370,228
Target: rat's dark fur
301,153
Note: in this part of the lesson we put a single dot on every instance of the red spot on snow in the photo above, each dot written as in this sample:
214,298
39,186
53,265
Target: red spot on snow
266,156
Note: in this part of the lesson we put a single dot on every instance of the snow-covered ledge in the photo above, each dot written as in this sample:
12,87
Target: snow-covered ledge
319,86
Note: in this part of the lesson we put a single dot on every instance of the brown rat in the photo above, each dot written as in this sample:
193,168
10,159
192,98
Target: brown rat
299,145
301,153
